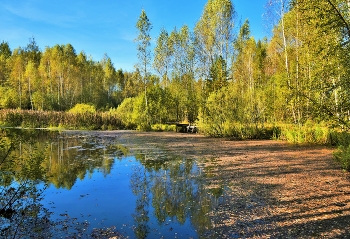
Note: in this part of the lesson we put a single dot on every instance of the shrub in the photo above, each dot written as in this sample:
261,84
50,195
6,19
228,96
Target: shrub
82,109
163,127
144,127
342,155
125,112
337,138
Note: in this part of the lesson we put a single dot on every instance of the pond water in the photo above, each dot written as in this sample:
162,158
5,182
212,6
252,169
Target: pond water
103,182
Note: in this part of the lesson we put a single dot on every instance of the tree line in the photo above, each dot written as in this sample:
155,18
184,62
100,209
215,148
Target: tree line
57,78
216,75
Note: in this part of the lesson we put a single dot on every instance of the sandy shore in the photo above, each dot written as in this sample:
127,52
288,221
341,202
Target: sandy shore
275,190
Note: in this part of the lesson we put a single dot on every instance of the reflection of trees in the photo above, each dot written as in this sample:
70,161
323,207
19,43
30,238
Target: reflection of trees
70,158
21,213
174,190
27,158
173,186
65,159
140,187
178,191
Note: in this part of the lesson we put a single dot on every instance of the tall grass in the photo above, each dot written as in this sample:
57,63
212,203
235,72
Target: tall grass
47,119
308,133
237,130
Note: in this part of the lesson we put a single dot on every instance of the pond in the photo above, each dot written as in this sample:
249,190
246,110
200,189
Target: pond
98,187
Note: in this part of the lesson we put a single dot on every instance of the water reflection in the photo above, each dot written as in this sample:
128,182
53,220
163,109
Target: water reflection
20,173
140,185
168,194
70,158
177,190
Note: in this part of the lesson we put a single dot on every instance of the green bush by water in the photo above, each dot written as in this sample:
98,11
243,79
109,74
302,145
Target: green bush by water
83,109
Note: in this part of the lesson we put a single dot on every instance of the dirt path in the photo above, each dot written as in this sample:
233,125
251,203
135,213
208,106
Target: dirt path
275,190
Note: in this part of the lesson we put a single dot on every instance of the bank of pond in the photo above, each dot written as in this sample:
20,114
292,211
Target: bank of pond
309,132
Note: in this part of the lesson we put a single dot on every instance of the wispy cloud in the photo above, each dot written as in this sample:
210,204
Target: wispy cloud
128,36
27,11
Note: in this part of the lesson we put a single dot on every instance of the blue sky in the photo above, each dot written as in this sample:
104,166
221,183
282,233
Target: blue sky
107,26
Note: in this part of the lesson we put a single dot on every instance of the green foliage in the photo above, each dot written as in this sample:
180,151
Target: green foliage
82,109
57,78
159,102
218,75
8,98
219,113
140,114
214,32
38,100
342,156
239,131
339,137
125,111
225,114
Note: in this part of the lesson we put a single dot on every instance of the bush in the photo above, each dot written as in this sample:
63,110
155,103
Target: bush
144,127
82,109
163,127
337,138
125,113
342,155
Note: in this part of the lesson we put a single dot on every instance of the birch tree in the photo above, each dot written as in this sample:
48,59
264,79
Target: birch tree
17,80
214,33
162,55
143,40
330,45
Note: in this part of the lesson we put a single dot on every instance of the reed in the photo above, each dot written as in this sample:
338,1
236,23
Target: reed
237,130
308,133
48,119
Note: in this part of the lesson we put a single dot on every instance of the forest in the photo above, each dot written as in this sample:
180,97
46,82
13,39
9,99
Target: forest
293,85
